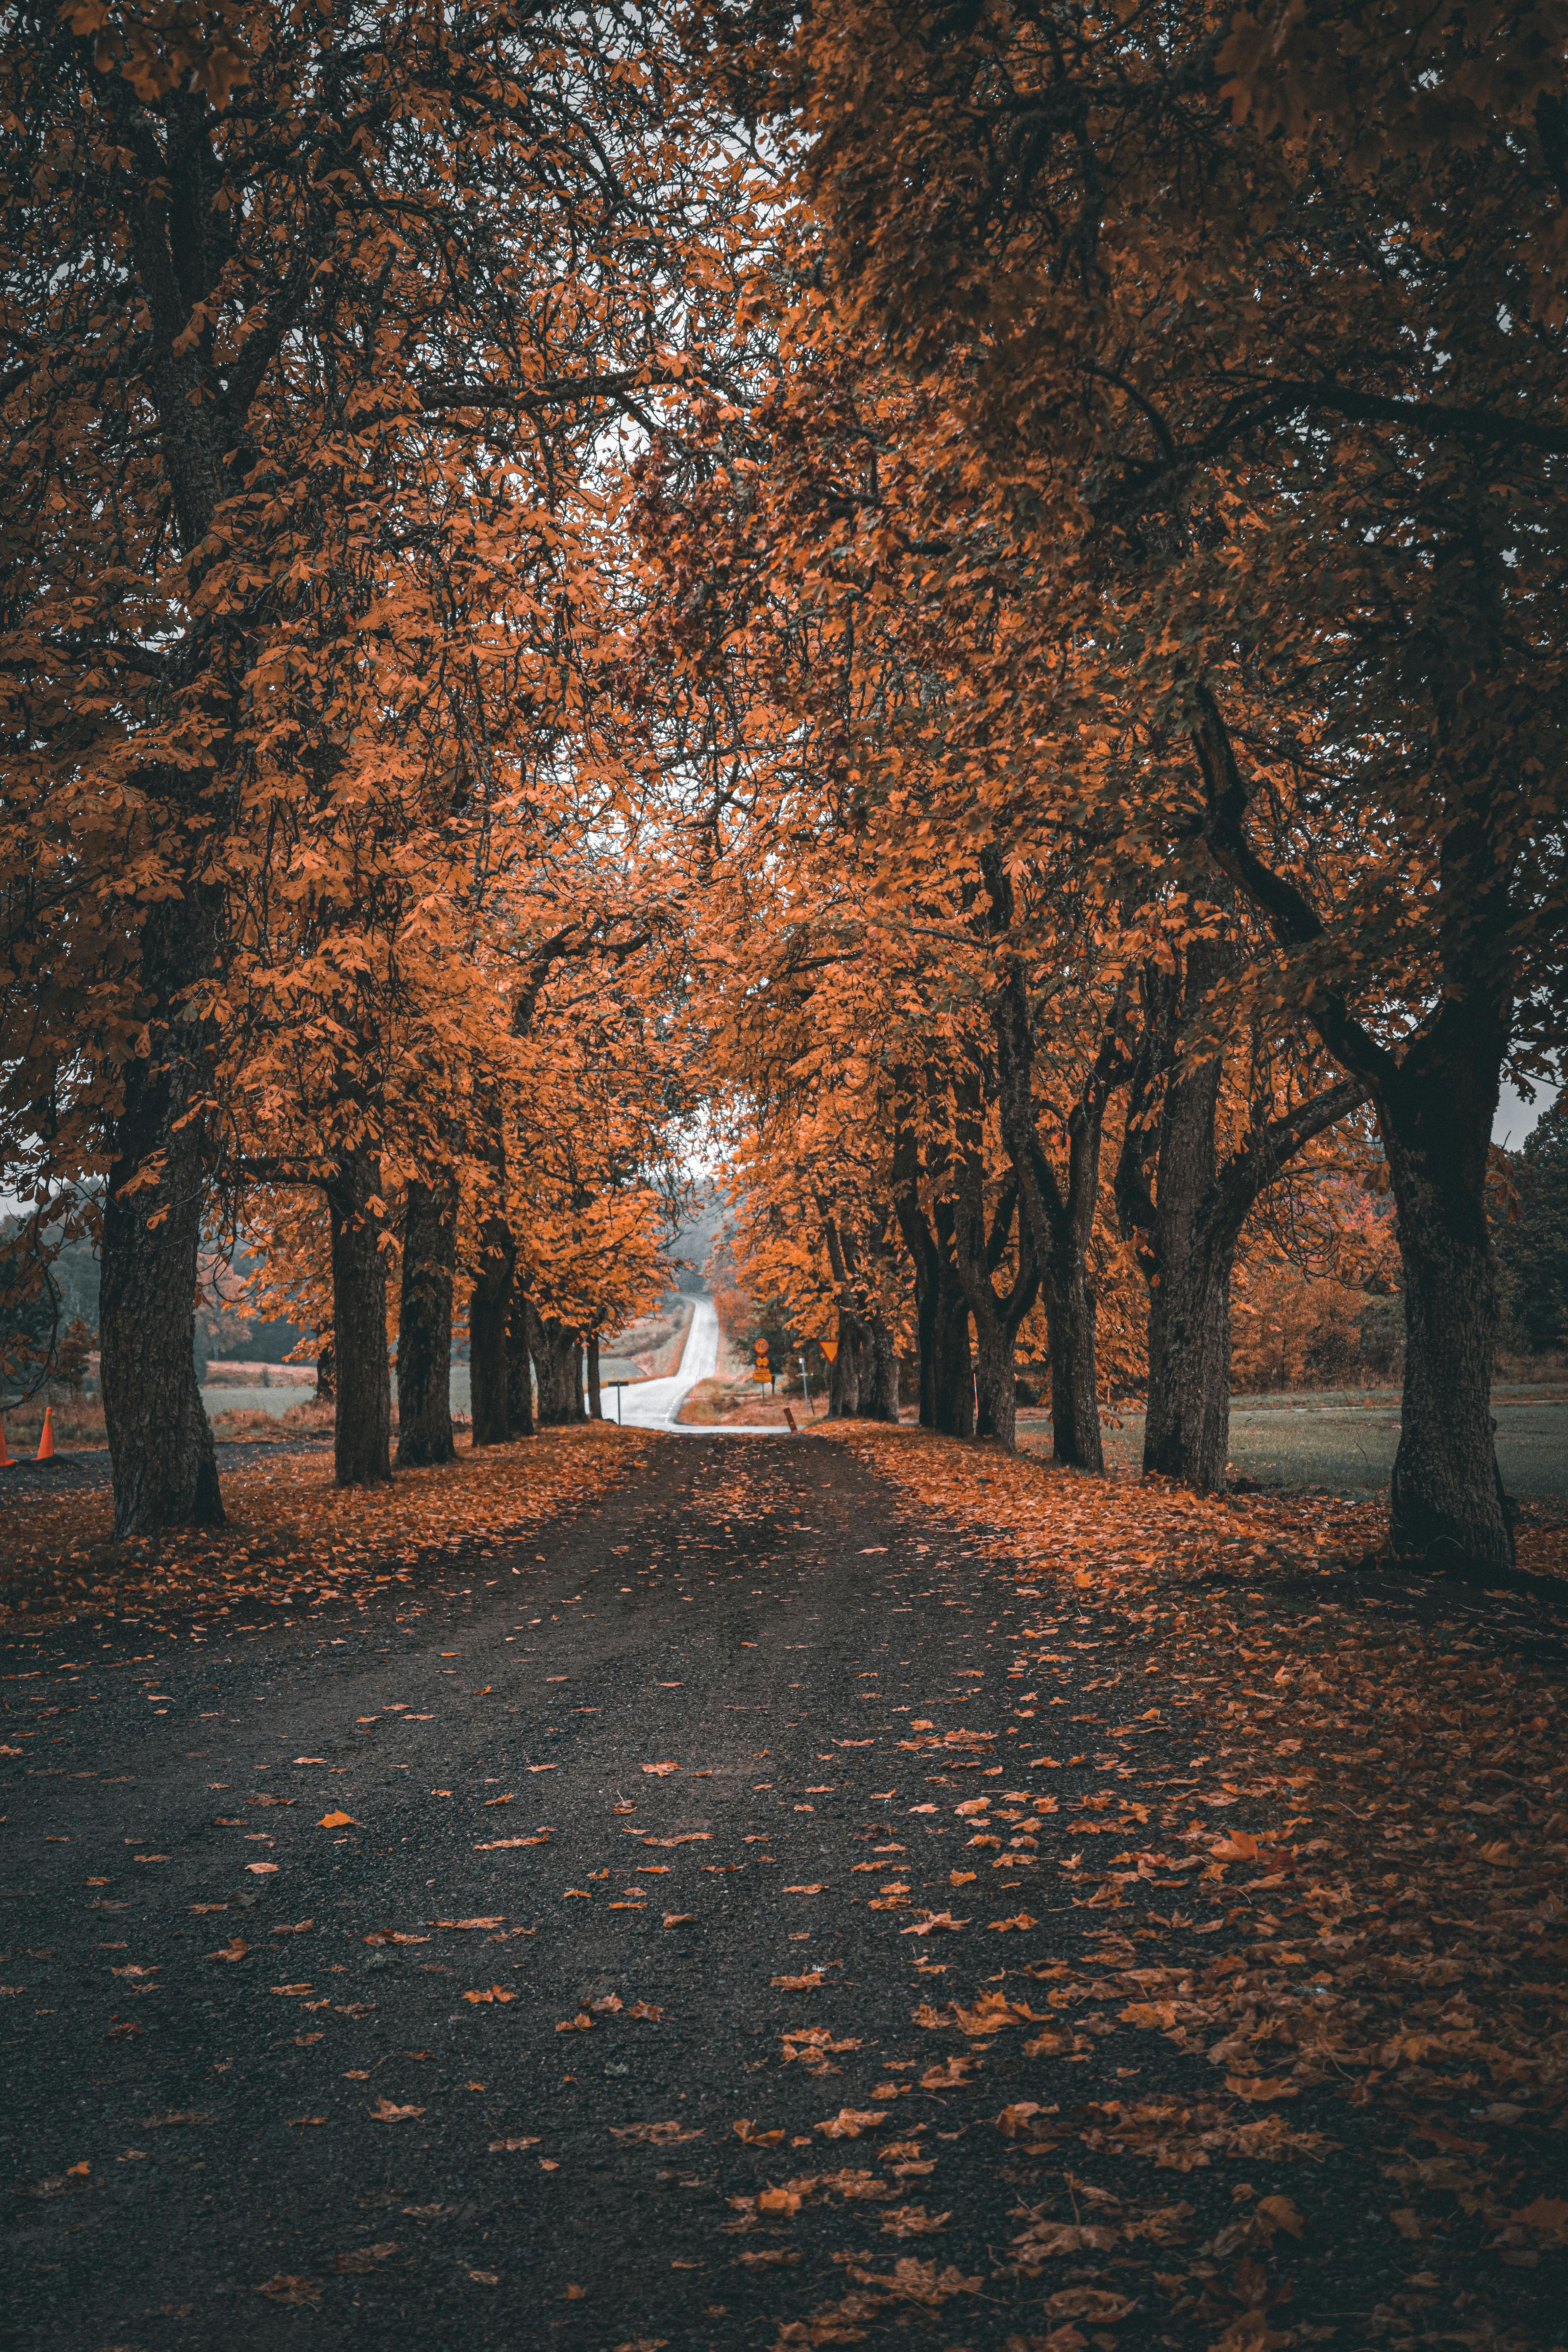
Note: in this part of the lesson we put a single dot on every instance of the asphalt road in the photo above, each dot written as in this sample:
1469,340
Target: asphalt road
370,2126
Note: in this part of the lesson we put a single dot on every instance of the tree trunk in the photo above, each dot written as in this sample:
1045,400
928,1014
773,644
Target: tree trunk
519,1367
977,1255
362,1433
880,1402
1435,1105
1187,1434
1186,1431
1070,1321
1447,1499
953,1375
1060,1217
844,1372
326,1372
161,1451
489,1314
556,1357
596,1402
996,1382
926,1301
579,1397
424,1325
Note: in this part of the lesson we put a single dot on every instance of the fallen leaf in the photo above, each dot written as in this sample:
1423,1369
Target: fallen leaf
386,2112
850,2122
337,1822
295,2292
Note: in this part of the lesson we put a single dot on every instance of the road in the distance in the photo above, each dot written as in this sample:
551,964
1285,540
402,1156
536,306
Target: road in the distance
653,1404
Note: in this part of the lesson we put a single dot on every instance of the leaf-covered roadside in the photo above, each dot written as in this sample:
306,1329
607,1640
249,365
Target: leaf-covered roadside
1376,1861
294,1541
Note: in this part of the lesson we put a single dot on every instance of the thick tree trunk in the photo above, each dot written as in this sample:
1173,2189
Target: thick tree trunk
952,1374
1187,1431
560,1383
1447,1499
160,1442
519,1365
489,1311
424,1325
1070,1321
326,1372
1187,1434
596,1401
996,1382
880,1402
362,1436
844,1371
1435,1105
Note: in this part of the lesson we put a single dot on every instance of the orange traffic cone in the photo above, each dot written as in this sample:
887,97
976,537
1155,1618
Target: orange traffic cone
45,1451
8,1459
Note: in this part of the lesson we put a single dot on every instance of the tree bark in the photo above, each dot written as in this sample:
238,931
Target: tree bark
326,1371
424,1325
997,1319
363,1432
880,1402
556,1359
1448,1500
952,1373
844,1371
519,1365
1435,1102
489,1310
1060,1216
1191,1231
596,1402
947,1386
163,1462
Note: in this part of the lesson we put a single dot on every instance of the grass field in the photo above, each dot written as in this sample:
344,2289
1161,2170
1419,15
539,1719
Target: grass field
1344,1440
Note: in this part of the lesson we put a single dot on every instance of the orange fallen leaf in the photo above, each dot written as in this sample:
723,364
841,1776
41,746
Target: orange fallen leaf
850,2122
386,2112
337,1821
660,1771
